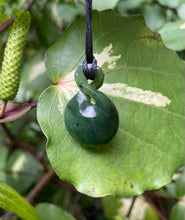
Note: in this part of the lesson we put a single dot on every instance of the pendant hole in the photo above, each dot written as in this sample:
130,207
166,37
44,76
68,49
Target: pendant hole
92,101
89,81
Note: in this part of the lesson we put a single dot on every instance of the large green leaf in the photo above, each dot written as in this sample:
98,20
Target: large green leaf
145,81
13,202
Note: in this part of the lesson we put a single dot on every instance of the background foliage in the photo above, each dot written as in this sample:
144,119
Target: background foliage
23,160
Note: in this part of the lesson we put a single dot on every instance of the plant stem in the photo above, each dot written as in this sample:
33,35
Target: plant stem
16,143
45,179
34,104
2,108
33,193
28,5
11,20
131,207
6,24
165,196
149,200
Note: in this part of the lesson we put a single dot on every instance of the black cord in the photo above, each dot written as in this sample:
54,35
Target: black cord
89,73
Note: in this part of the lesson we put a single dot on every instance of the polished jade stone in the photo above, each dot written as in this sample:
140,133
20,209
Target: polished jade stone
91,123
90,116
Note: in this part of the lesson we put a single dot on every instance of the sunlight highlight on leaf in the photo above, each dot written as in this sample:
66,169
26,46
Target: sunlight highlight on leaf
106,58
135,94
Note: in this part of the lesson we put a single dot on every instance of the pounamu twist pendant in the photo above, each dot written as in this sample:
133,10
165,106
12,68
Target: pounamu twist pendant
90,116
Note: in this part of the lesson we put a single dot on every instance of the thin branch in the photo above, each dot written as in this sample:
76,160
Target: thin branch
7,132
11,20
34,192
28,5
34,104
6,24
2,108
16,142
165,196
131,207
149,200
7,216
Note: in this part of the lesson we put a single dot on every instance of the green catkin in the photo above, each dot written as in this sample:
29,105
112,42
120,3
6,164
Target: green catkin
13,56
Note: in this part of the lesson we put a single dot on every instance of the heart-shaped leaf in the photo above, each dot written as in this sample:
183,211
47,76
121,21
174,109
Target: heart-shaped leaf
145,81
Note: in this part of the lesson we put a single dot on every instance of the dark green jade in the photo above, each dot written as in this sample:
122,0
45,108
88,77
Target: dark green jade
90,116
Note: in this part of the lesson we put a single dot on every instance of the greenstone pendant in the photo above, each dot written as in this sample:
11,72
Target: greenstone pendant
90,116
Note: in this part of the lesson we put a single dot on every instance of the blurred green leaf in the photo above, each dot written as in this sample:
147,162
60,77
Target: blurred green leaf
171,3
181,10
172,34
178,211
33,76
59,197
68,13
52,212
129,4
150,214
1,3
154,16
63,13
3,159
111,205
103,4
13,202
170,190
176,188
180,186
21,170
47,31
9,8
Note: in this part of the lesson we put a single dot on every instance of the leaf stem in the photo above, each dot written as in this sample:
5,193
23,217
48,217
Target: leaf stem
34,104
28,5
165,196
2,108
11,20
16,143
33,193
45,179
149,200
6,24
131,207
